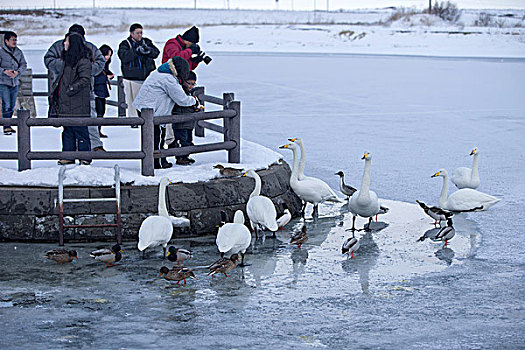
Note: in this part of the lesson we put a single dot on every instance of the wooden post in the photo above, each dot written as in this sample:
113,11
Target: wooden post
147,141
24,139
227,98
234,155
199,130
121,97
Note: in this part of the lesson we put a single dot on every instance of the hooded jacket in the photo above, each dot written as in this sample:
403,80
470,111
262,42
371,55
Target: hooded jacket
8,63
73,90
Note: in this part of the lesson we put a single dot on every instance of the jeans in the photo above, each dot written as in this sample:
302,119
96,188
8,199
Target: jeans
8,95
75,137
183,138
94,135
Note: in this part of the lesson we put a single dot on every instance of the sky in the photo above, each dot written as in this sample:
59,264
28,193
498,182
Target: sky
307,5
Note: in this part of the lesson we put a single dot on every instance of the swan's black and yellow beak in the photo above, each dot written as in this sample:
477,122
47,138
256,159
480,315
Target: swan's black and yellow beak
168,254
472,152
292,139
169,182
365,156
244,174
436,174
284,146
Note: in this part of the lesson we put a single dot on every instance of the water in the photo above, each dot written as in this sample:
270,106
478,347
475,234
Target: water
415,115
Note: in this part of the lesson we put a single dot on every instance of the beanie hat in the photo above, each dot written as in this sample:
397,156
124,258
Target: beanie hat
192,76
179,67
77,28
191,35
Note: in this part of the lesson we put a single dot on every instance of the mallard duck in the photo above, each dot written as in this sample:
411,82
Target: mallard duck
156,230
62,256
364,202
446,233
228,172
178,255
465,177
260,209
465,199
223,265
435,213
285,218
234,237
348,191
350,246
178,273
108,256
299,237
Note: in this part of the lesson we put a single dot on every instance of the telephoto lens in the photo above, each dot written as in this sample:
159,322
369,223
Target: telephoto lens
206,59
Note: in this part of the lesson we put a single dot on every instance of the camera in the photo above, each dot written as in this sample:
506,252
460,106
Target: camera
201,57
206,59
144,49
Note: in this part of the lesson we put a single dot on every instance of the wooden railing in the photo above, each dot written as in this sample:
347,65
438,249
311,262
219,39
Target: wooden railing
230,114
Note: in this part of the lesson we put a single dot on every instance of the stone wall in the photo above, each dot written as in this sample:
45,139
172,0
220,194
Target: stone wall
31,213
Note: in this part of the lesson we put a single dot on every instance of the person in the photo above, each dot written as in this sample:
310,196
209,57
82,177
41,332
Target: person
102,84
72,94
137,60
12,64
184,46
54,63
183,132
161,91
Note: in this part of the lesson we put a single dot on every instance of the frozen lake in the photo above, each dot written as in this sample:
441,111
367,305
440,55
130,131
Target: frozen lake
415,115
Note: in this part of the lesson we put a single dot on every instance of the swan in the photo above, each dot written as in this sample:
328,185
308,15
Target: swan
364,202
467,178
234,238
465,199
260,209
157,229
310,189
285,218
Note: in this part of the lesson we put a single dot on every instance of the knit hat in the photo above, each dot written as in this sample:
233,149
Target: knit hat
179,67
77,28
191,35
192,76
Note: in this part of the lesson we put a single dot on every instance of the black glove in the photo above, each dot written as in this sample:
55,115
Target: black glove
198,58
144,49
195,49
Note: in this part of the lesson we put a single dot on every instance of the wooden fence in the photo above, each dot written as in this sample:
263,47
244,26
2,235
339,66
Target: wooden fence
231,130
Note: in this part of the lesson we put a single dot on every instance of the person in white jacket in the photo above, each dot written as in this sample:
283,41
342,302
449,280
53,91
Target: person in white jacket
161,91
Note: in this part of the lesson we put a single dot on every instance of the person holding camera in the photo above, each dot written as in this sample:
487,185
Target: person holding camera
137,57
186,46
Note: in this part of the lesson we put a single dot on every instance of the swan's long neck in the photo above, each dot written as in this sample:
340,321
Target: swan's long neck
365,182
257,189
300,174
163,211
295,167
444,192
475,174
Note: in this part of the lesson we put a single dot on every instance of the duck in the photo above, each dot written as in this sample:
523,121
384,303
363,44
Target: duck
285,218
350,246
260,209
364,202
108,256
61,256
465,177
300,237
234,237
156,230
435,213
309,191
223,265
178,255
348,191
446,233
228,172
178,273
465,199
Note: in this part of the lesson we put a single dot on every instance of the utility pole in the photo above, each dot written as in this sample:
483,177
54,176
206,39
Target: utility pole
195,4
429,6
327,5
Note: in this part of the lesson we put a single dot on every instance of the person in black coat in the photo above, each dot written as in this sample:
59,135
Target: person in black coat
71,92
102,86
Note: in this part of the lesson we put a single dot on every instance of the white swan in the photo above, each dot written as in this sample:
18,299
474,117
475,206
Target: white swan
260,209
364,202
234,238
285,218
465,177
312,189
157,229
465,199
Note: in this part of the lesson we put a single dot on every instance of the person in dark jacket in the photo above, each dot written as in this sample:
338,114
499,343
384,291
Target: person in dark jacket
73,94
12,64
102,86
54,63
183,132
184,46
137,60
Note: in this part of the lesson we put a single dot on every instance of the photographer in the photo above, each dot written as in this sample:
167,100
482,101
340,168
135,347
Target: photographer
137,56
186,46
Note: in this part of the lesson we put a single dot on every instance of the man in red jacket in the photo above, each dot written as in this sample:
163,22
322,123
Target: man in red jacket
184,46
